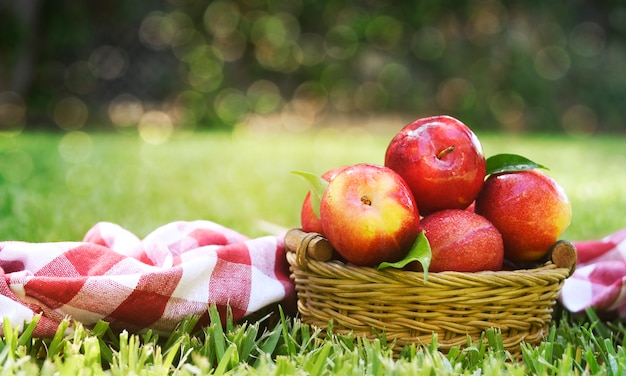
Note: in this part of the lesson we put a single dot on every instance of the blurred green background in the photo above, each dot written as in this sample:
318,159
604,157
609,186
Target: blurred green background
158,67
146,112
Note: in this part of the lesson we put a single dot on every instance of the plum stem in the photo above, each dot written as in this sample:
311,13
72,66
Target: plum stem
366,200
445,151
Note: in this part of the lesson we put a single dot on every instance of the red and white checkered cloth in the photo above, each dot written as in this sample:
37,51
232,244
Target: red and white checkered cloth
177,270
182,267
599,281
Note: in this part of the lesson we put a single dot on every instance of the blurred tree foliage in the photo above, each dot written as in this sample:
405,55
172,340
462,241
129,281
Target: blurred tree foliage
191,64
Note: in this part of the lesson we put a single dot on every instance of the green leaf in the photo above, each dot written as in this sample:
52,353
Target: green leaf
510,163
318,186
420,251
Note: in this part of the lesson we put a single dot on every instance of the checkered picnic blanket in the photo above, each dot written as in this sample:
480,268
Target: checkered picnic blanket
182,267
599,281
177,270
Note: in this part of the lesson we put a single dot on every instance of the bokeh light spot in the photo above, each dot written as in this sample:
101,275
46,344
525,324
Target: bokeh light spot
205,83
155,127
385,32
75,146
264,96
277,29
588,39
16,165
205,69
486,20
222,17
157,30
369,64
552,62
428,43
341,95
341,42
310,99
579,120
231,105
283,58
187,44
456,94
12,113
202,54
125,110
186,109
312,46
232,46
70,113
294,121
507,107
108,62
395,78
181,20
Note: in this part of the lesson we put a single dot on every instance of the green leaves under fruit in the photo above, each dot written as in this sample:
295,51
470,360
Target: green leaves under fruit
510,163
420,252
318,186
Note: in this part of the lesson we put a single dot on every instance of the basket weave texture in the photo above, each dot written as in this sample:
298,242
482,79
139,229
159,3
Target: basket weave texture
453,305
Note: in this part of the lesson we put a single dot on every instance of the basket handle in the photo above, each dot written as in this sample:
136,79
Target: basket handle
308,245
564,255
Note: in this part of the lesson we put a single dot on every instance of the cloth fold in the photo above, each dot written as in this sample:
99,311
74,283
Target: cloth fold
599,280
177,270
182,267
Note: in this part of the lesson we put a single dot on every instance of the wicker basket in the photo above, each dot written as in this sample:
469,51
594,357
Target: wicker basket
452,305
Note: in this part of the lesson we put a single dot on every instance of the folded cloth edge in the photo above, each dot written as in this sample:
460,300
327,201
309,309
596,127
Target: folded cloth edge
177,270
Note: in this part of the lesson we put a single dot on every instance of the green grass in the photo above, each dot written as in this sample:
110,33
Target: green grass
288,347
51,189
55,187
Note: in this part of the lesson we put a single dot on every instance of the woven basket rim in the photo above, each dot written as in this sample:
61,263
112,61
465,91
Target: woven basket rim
298,256
335,269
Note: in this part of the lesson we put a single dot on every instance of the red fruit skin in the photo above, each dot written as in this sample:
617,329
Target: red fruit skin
462,241
472,206
309,222
530,210
451,180
366,234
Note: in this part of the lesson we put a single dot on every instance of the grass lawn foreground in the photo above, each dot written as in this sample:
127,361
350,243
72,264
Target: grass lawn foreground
55,186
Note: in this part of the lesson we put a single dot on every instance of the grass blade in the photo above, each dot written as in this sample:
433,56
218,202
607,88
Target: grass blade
217,332
320,359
